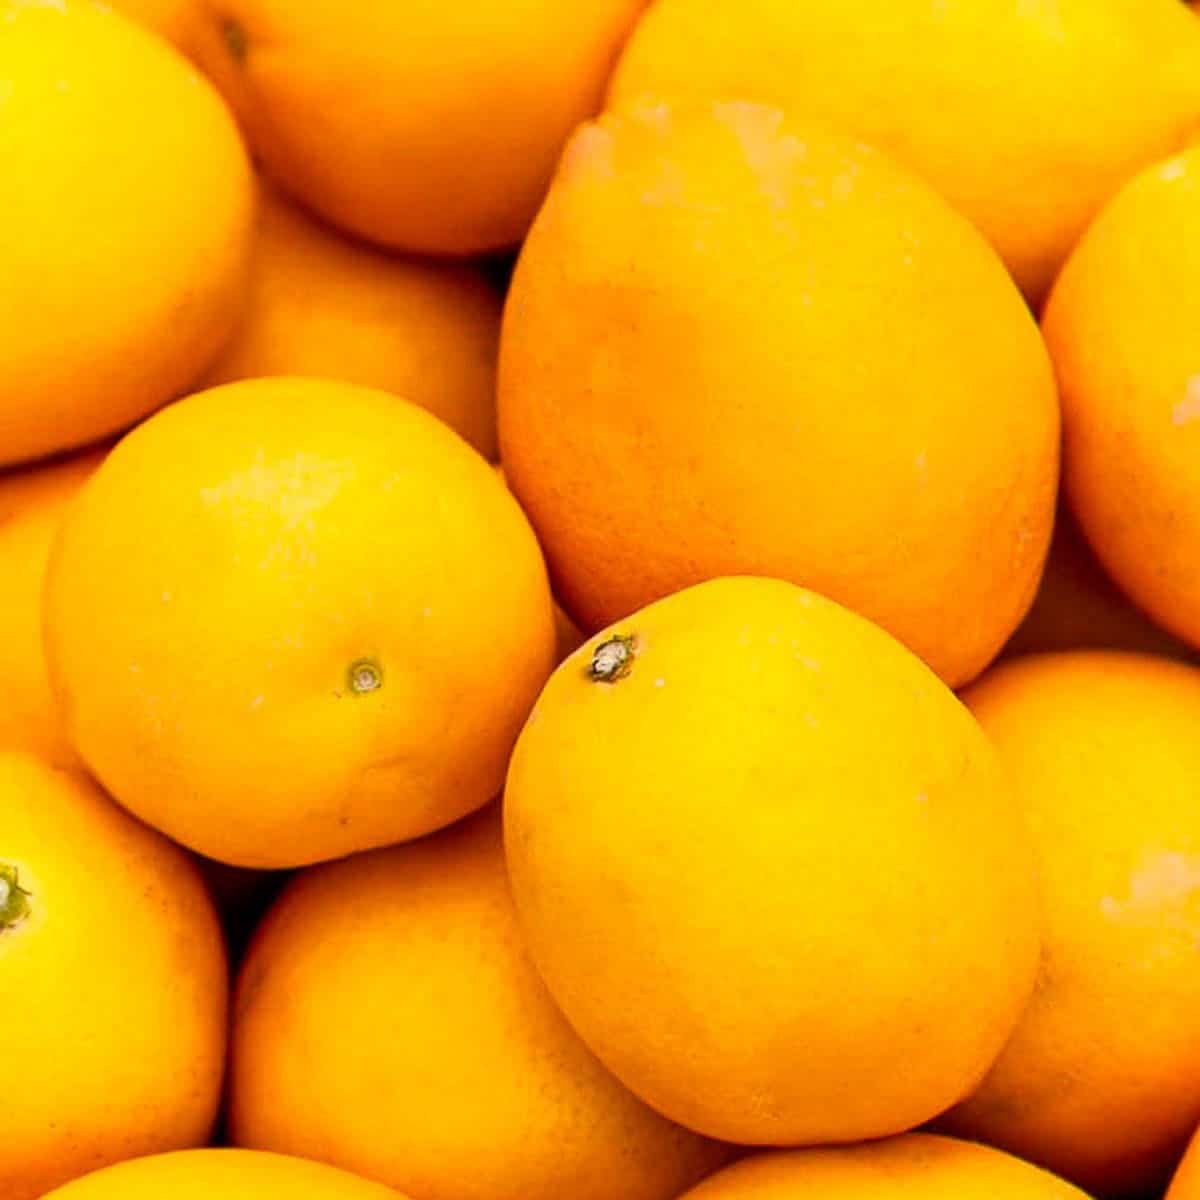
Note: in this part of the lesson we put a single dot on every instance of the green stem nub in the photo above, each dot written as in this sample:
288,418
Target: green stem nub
612,659
14,899
364,675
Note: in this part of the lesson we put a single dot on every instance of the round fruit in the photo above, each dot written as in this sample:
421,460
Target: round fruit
1101,1080
1121,328
32,504
230,1174
321,636
736,346
915,1167
113,968
1078,606
467,1082
126,225
323,305
769,868
1025,116
424,126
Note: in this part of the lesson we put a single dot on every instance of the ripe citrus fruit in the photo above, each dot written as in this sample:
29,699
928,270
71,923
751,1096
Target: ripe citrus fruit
739,346
32,504
229,1174
770,869
424,126
1078,606
113,971
1101,1080
126,224
1121,328
467,1082
915,1167
323,635
1025,116
323,305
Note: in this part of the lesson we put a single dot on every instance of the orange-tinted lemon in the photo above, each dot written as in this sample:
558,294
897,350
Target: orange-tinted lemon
914,1167
322,635
1101,1080
424,126
126,223
1026,116
466,1082
32,504
738,345
1121,328
114,978
770,868
321,304
229,1174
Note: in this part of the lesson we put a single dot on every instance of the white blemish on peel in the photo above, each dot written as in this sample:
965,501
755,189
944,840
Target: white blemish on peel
1188,409
293,490
922,460
660,683
257,702
1162,881
14,6
166,597
5,892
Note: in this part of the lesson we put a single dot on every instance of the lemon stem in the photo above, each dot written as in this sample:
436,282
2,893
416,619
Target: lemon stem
364,675
14,899
612,659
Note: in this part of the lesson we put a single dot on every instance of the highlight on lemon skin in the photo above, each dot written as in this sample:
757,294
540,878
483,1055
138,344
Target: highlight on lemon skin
1026,117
